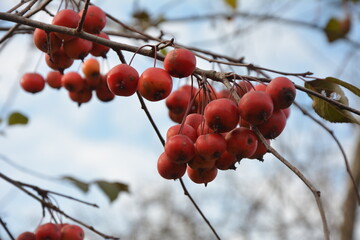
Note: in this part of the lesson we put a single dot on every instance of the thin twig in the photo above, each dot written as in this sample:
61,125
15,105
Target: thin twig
3,224
310,186
186,192
348,169
17,6
10,32
51,206
82,20
143,106
214,75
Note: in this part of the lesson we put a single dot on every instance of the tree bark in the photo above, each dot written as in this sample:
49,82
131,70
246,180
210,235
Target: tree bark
347,227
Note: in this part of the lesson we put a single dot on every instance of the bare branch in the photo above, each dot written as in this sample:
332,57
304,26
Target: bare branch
311,187
348,169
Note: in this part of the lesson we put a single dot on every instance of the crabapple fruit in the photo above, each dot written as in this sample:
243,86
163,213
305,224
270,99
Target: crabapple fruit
221,115
95,19
241,142
48,231
26,236
282,91
180,148
41,38
155,84
32,82
66,18
168,169
123,80
255,107
180,62
274,125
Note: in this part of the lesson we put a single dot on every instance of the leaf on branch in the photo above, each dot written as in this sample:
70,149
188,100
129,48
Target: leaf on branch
326,110
336,29
163,51
112,189
17,118
79,184
346,85
231,3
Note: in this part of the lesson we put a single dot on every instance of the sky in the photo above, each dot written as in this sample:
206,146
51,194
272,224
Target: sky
115,142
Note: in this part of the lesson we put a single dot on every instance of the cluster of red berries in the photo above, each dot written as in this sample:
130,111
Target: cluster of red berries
222,133
51,231
62,50
154,83
214,131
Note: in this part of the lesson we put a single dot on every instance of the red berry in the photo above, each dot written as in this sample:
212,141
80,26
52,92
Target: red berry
155,84
178,101
72,232
77,48
194,120
66,18
82,96
53,79
180,62
182,129
282,92
202,175
255,107
226,161
48,231
210,146
91,70
243,87
203,128
274,125
95,19
58,60
180,148
41,41
176,117
73,81
168,169
103,92
200,163
260,151
26,236
123,80
99,50
260,87
241,142
221,115
32,82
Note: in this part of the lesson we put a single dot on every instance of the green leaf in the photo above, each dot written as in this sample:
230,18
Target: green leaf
346,85
163,51
112,189
326,110
79,184
231,3
336,29
17,118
